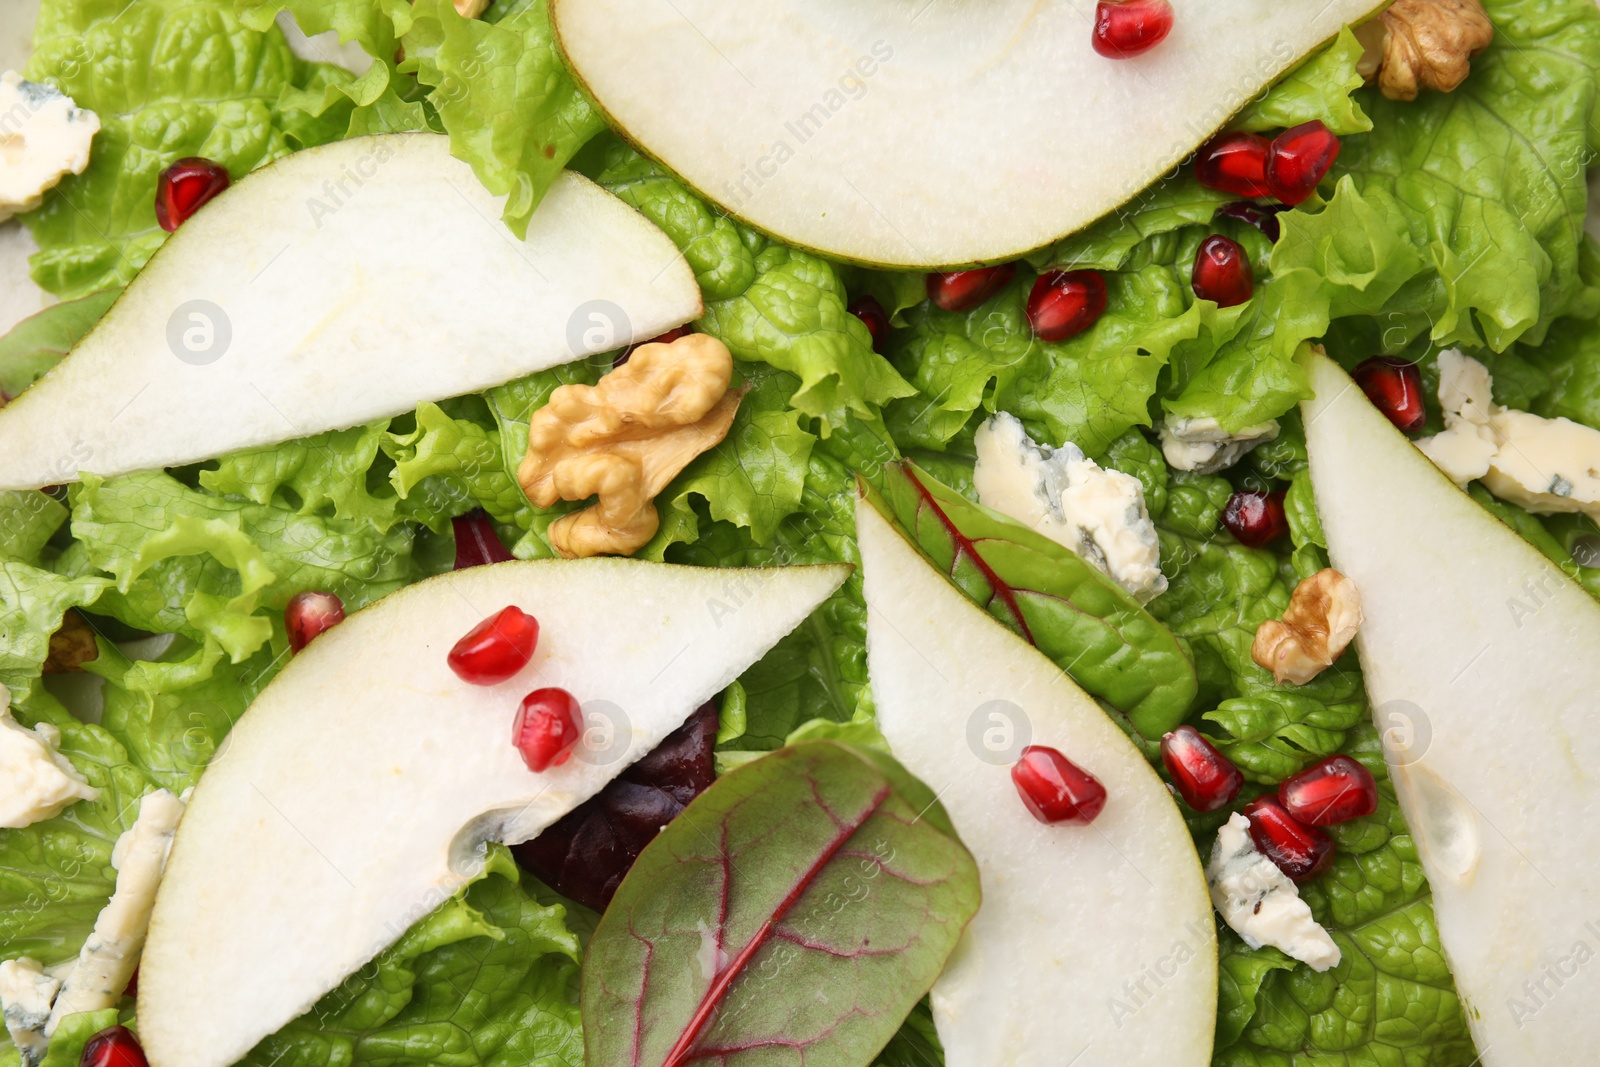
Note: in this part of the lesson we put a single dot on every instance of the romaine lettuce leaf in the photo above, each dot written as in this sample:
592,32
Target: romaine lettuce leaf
309,475
32,602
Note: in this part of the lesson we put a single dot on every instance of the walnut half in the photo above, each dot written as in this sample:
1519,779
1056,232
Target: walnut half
624,439
72,645
1323,616
1423,44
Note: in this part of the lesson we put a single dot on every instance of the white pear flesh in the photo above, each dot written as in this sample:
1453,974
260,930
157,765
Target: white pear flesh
924,133
1482,662
349,800
334,287
1095,945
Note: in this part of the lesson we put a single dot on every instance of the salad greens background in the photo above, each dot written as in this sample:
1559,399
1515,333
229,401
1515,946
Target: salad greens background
1452,220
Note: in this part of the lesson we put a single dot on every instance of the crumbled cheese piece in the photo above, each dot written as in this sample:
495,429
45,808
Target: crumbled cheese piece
43,138
1201,445
26,993
110,955
1543,465
1061,493
36,781
1260,902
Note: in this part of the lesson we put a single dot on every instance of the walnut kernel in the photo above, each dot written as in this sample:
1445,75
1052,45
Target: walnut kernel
624,439
72,645
1322,618
1423,44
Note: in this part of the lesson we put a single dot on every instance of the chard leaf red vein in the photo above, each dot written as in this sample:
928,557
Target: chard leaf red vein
781,863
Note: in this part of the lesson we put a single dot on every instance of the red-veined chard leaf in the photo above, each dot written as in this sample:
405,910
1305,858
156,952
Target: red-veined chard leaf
794,913
1058,602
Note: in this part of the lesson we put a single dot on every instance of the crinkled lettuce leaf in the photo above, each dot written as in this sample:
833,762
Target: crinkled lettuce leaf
767,302
1461,220
503,95
1323,88
1390,1000
56,875
489,979
381,100
28,519
205,566
169,79
32,602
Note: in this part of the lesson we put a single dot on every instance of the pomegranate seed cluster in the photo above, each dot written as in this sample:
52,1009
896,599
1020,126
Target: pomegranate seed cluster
1286,826
549,721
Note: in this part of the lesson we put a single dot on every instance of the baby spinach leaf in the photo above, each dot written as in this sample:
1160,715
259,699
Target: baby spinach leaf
1062,605
818,869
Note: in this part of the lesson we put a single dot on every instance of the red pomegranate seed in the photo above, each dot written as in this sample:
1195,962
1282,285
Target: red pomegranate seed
186,187
1395,388
1263,217
548,727
1298,850
1234,163
1255,519
1222,272
1055,789
1300,157
1127,28
1334,791
1064,303
963,290
663,339
1205,778
870,312
114,1046
308,614
476,541
497,648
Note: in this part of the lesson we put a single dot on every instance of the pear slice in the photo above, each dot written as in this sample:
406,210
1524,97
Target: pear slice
337,286
352,797
1095,945
1482,662
924,133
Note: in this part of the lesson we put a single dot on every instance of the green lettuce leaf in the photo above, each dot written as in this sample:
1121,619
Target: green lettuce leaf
1463,211
28,519
503,95
32,602
383,99
66,1046
1322,87
1390,1000
765,301
310,476
56,875
203,566
489,979
1088,390
172,713
169,79
40,341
